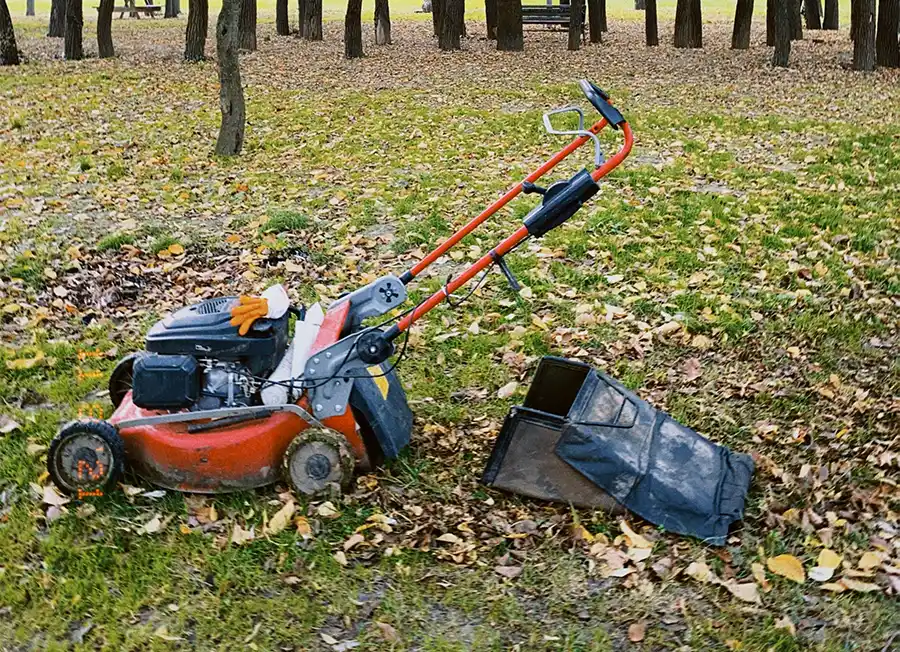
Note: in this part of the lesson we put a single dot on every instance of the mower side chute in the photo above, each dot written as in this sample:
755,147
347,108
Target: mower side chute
379,398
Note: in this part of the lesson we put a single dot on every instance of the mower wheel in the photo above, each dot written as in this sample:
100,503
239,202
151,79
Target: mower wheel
86,457
318,463
121,378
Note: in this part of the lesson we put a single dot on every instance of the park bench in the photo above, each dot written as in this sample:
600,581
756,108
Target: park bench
554,16
133,9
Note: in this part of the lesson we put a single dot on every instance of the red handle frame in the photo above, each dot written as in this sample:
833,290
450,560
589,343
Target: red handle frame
509,243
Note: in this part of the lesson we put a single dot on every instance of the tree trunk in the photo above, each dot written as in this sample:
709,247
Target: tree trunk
651,24
509,26
864,46
490,18
796,21
782,33
29,7
770,22
743,19
688,24
282,23
57,18
74,24
832,15
170,11
231,94
301,13
9,52
813,14
104,30
640,5
197,26
854,23
887,47
247,25
382,22
437,16
462,18
450,25
575,26
353,45
604,27
594,26
312,20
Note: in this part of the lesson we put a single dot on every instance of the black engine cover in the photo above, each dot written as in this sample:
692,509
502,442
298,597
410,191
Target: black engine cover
165,382
203,330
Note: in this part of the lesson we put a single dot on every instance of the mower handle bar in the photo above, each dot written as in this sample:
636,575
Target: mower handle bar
610,116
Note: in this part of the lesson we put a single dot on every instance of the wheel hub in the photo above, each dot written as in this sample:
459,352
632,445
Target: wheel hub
318,467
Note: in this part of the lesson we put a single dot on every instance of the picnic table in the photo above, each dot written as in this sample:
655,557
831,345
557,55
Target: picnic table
135,10
553,16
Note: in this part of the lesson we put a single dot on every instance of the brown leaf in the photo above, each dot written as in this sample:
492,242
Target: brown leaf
388,632
509,572
637,631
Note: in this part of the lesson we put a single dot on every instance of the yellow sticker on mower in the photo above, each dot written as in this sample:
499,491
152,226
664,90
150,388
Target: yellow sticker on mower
380,379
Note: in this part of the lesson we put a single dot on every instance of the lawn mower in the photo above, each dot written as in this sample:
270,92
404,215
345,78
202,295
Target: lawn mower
223,398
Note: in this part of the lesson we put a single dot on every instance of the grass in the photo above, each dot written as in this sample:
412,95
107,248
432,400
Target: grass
751,212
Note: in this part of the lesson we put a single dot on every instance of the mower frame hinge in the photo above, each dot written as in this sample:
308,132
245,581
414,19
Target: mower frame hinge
506,271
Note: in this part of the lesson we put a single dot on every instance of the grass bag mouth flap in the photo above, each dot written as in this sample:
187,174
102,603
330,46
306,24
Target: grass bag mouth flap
632,455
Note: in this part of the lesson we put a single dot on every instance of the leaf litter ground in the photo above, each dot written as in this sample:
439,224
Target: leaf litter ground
740,271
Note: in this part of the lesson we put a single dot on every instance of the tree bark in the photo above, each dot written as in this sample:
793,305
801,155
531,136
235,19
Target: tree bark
353,45
9,51
29,7
604,26
382,22
688,24
57,18
770,22
247,25
832,15
170,11
509,26
104,30
854,23
74,24
282,23
575,25
651,24
462,18
231,94
197,26
301,13
437,16
864,45
887,47
782,19
312,20
796,21
743,20
640,5
813,14
451,25
594,26
490,18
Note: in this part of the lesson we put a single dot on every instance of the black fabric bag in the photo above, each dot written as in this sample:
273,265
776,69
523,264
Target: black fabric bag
629,451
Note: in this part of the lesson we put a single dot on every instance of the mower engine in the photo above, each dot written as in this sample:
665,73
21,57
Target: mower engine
195,359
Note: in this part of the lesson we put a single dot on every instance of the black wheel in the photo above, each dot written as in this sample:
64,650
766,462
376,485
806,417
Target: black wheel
86,457
318,463
121,378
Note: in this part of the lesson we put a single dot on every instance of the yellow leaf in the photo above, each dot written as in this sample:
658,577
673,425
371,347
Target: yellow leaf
635,540
787,566
869,560
699,571
829,559
280,519
303,527
836,587
856,585
759,574
746,591
25,363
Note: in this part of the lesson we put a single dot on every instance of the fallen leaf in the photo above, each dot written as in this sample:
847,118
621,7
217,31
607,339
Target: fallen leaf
869,560
52,497
327,510
176,249
388,632
152,526
7,425
280,519
240,536
786,623
303,527
759,574
341,558
746,591
449,537
635,540
637,631
787,566
821,573
829,559
692,369
699,571
526,292
509,572
507,390
354,540
860,587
